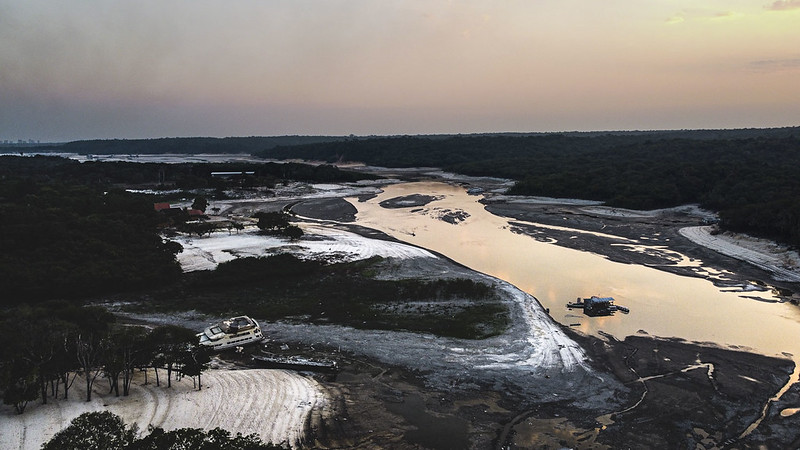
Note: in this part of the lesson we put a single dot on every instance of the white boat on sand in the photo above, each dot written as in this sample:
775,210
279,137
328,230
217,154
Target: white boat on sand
233,332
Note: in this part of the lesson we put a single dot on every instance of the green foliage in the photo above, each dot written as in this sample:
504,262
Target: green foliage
293,232
196,439
743,174
277,223
93,431
252,269
66,241
107,431
62,338
188,176
19,383
200,202
272,221
185,145
284,287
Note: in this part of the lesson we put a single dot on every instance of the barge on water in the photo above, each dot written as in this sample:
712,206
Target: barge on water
598,306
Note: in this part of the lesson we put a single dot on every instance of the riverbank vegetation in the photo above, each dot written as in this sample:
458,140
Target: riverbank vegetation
71,241
62,340
70,232
753,180
108,431
283,287
170,177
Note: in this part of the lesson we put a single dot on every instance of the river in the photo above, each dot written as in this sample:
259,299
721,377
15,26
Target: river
661,303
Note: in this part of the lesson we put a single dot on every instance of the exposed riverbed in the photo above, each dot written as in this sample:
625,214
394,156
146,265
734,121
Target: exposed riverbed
662,303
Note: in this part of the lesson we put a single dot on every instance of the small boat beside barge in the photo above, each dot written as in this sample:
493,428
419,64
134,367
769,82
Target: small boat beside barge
234,332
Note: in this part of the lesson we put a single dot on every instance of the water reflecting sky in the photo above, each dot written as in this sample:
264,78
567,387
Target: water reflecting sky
662,304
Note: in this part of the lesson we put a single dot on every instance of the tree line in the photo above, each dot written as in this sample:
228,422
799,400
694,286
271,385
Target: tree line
71,241
179,145
104,174
753,182
70,230
47,347
105,430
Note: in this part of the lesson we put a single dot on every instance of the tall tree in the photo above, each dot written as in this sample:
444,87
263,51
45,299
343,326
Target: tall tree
200,202
89,352
171,342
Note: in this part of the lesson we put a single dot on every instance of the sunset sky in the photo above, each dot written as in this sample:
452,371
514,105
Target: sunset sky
137,69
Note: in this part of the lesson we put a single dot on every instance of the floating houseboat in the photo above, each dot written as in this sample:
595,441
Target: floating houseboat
598,306
233,332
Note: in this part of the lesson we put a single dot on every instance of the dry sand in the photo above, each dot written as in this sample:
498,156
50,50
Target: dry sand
783,263
275,404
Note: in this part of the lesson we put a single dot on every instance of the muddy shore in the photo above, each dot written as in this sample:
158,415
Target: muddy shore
665,394
660,229
681,394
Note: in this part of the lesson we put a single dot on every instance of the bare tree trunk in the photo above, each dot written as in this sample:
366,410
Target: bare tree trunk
43,385
89,382
67,382
88,353
127,377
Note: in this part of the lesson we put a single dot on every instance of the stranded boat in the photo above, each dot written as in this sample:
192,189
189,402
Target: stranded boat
598,306
233,332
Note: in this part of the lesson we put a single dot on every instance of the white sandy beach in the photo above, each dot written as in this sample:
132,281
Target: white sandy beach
205,253
274,404
782,262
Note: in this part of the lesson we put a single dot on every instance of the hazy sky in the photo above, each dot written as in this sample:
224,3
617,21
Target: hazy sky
128,69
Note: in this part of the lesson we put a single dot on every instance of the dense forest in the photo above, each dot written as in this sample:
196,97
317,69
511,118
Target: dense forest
183,145
167,176
754,183
254,144
71,230
283,288
105,430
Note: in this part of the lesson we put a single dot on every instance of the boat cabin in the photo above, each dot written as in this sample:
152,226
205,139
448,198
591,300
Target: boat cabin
598,306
